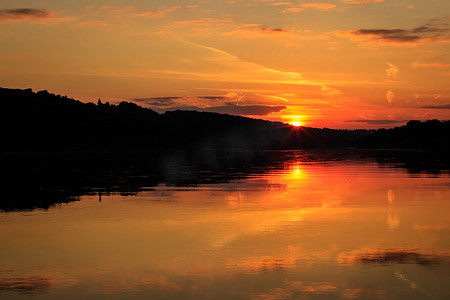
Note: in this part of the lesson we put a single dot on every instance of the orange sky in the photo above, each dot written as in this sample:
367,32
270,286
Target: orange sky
337,64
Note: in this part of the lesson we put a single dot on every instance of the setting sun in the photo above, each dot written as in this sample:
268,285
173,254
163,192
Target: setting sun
296,124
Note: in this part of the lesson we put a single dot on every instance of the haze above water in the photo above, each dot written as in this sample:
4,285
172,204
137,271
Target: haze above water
349,229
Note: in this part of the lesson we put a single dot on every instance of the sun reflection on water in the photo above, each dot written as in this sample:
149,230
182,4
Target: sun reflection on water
304,229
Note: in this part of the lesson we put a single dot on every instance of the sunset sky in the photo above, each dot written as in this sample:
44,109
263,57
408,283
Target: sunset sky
338,64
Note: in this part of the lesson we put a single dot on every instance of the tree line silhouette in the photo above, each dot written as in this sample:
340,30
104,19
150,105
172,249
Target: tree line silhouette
41,121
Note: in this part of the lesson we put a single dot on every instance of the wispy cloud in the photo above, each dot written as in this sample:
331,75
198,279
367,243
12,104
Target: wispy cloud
375,122
389,35
22,14
279,3
445,106
159,13
418,64
204,26
256,30
92,23
231,103
158,101
221,66
319,6
133,11
415,36
246,110
363,2
390,96
315,6
117,8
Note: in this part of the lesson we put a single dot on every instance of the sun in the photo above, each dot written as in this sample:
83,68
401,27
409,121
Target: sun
296,124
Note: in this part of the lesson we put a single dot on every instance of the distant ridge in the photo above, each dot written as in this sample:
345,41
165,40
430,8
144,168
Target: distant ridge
41,121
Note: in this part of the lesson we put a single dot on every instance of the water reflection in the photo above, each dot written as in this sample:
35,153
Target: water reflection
36,180
341,229
25,285
393,256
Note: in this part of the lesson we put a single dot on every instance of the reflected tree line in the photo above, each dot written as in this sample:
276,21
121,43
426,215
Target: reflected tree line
55,149
39,180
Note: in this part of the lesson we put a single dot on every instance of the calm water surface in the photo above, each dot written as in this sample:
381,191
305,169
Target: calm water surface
303,230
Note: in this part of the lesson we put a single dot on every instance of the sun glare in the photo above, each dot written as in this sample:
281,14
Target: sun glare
296,124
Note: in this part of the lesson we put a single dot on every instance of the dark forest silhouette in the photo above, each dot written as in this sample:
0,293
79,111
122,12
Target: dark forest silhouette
54,149
46,122
430,134
43,121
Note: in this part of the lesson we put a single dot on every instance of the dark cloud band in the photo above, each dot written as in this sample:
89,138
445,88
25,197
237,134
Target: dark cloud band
23,13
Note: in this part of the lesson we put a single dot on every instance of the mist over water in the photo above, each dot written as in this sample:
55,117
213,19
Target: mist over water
300,225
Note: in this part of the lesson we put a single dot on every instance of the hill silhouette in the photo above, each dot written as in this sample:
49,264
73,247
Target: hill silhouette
41,121
45,122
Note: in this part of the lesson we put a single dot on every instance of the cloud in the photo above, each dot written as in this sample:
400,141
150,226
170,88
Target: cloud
180,102
207,26
429,29
117,8
92,23
319,6
390,96
375,122
256,30
446,106
157,101
292,10
245,104
239,110
219,98
316,6
279,3
443,19
418,35
159,13
221,66
256,85
418,64
394,35
363,2
153,13
246,110
229,99
131,11
392,71
22,14
379,31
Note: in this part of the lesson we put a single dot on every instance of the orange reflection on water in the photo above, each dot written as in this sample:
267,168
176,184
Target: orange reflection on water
297,229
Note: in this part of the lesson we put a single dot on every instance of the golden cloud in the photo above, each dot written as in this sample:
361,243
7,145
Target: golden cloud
363,2
316,6
392,71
